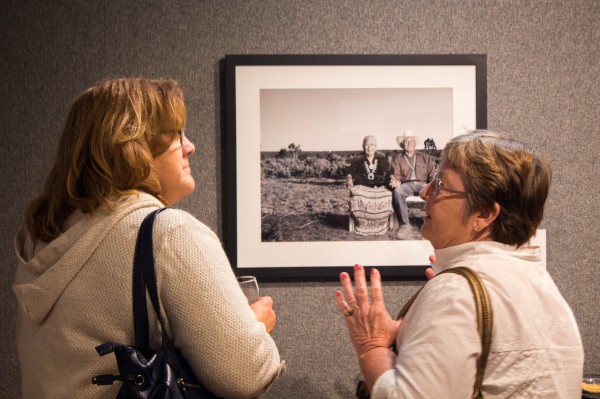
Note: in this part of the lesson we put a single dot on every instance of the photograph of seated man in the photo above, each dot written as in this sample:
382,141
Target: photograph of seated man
410,171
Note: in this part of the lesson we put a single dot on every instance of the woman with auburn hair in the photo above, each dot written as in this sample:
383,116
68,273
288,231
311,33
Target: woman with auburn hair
482,207
123,153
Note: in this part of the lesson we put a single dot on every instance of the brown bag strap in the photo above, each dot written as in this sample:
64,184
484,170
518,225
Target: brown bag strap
484,319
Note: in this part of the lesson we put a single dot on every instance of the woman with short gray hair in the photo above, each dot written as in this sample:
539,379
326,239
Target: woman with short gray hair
483,207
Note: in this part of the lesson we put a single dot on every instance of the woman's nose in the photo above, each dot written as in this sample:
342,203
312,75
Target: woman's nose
188,146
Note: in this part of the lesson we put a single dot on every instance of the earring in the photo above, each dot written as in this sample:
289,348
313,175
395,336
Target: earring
476,227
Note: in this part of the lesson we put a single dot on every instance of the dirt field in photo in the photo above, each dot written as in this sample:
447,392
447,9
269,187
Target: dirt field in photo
309,209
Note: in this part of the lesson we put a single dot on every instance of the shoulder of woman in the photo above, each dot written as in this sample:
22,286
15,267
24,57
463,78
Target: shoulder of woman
182,240
173,219
446,286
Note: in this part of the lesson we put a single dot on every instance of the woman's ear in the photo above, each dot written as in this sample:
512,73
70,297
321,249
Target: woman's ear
486,217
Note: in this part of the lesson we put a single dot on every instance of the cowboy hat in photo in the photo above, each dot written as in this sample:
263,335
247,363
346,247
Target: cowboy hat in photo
407,133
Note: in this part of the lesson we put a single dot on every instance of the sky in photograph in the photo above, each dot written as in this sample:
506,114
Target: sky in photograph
338,119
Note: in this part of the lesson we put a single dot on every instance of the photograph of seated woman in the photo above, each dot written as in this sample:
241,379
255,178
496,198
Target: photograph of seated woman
369,168
370,204
482,209
122,154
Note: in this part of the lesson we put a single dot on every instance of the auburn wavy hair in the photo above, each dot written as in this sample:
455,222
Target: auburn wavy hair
113,132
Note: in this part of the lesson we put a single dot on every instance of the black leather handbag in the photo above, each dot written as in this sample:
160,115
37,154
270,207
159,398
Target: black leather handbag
146,373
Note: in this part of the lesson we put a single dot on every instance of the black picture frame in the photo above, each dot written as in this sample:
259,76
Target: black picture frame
244,76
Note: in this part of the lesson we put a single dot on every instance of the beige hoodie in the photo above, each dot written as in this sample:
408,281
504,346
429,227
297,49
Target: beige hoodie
74,293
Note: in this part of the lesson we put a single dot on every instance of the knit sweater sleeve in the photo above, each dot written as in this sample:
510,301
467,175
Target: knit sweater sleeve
208,316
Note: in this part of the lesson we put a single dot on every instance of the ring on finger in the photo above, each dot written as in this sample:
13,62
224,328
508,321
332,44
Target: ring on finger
351,310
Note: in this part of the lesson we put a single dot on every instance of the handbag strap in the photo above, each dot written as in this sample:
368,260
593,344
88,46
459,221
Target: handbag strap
145,277
484,319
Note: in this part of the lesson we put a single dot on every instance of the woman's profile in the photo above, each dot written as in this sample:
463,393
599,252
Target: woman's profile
124,153
482,207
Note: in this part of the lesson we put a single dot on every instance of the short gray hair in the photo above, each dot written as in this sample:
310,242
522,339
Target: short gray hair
498,169
368,137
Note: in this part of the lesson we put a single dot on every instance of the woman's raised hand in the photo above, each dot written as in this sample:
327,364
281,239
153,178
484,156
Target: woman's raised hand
369,324
429,273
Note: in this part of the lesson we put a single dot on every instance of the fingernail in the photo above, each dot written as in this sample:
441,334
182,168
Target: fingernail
357,267
343,275
374,271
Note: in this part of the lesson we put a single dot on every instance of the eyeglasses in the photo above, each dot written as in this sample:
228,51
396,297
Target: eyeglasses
437,186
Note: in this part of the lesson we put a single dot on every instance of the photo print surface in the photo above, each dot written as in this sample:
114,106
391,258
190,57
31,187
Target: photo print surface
309,138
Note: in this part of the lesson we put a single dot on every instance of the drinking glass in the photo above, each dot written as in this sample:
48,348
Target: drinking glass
591,386
249,287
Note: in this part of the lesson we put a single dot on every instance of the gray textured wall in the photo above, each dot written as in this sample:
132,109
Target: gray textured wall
542,87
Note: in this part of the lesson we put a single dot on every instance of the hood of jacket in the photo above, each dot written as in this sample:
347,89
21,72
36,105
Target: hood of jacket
43,275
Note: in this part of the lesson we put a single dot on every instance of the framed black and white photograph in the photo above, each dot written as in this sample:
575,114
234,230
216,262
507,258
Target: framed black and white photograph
309,141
